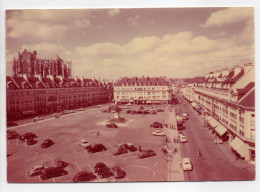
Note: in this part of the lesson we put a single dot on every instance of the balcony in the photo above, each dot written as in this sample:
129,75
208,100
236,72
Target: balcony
217,93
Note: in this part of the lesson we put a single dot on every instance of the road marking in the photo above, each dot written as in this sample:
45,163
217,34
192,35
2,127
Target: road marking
78,166
145,168
67,170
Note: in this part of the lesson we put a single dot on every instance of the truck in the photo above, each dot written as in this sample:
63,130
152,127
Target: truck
179,120
180,125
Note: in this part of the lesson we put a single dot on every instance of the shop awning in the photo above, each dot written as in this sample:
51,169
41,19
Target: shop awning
239,146
156,101
213,123
221,130
208,118
193,104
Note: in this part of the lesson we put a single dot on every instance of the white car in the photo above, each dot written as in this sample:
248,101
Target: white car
158,133
181,135
37,119
186,164
185,116
84,143
183,139
36,170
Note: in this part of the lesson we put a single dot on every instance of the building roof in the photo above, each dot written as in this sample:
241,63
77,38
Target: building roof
143,81
249,99
22,83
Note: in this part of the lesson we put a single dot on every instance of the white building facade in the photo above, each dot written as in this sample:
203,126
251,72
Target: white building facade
228,97
143,90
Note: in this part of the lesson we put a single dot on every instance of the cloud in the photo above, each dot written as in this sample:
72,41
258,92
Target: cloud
228,16
133,20
173,55
45,24
113,12
44,48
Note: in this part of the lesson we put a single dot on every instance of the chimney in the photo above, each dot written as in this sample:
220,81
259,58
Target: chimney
237,70
247,67
225,72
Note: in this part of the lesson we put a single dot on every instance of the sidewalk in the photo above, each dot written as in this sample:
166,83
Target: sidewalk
174,152
225,147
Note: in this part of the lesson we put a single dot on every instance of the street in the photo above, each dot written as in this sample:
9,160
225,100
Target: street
216,162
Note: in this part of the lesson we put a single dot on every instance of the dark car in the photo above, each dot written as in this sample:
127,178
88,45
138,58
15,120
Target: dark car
139,112
128,111
53,172
120,151
141,108
97,148
99,166
102,170
84,176
130,147
118,172
12,135
146,153
60,163
160,110
146,112
156,125
111,125
11,124
47,143
31,141
29,135
133,112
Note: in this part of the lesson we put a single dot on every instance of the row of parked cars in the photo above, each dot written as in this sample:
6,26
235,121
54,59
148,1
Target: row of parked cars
60,170
29,138
122,149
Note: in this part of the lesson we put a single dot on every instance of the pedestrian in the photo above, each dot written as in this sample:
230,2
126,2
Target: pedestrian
140,149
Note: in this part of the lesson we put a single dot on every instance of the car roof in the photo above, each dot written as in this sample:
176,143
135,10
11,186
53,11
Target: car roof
186,159
38,166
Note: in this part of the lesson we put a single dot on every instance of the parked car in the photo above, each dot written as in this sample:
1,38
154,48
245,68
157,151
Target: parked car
60,163
156,125
111,125
146,153
29,135
47,143
185,116
128,111
160,110
120,151
186,164
118,172
11,124
133,112
102,170
139,112
12,135
53,172
130,147
158,133
84,143
36,170
153,112
31,141
97,148
183,139
84,176
146,112
37,119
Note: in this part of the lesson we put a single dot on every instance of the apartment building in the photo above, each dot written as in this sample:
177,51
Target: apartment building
24,97
228,99
44,85
144,90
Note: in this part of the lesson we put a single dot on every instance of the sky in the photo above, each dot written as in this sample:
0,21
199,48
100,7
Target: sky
112,43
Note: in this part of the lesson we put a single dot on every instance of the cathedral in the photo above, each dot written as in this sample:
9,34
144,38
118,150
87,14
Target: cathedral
29,64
